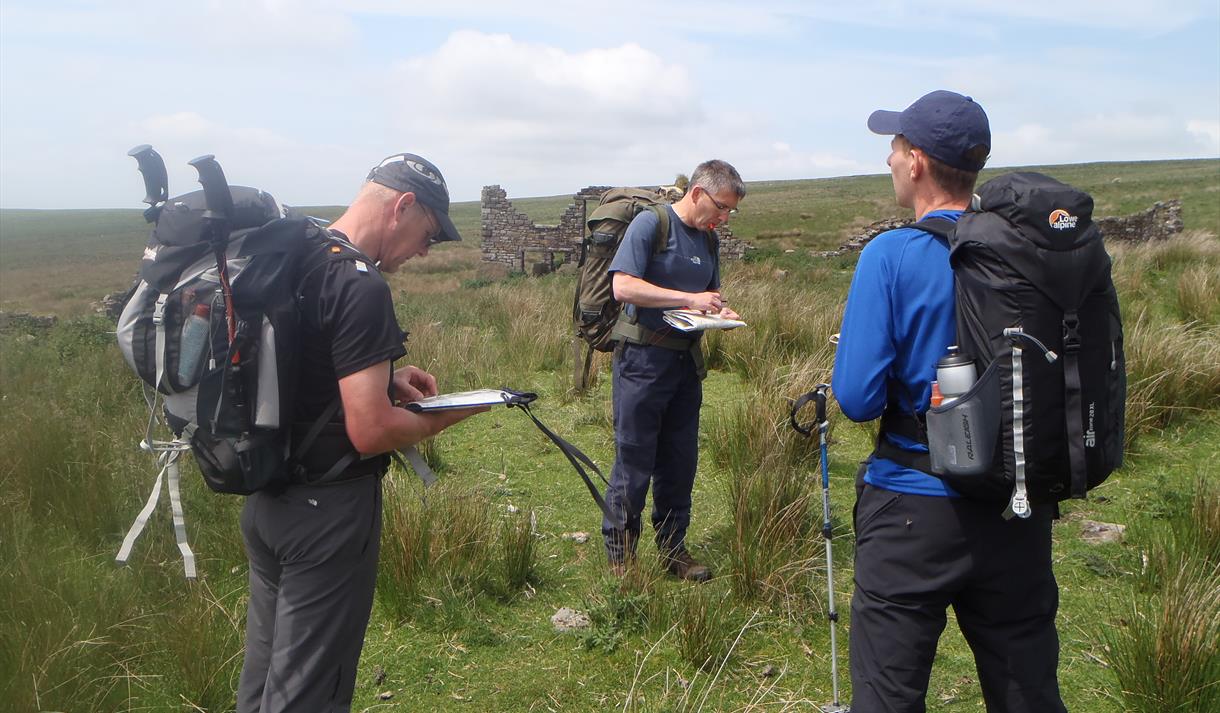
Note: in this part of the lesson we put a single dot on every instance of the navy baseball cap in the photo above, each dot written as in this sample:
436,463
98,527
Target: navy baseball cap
945,125
409,173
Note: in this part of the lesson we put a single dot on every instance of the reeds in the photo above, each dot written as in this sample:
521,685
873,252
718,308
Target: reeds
1163,644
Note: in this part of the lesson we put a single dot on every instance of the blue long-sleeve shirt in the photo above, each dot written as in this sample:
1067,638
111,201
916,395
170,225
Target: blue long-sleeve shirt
898,322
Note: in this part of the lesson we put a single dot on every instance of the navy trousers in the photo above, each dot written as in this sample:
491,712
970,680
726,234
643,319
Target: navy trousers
918,555
657,395
313,553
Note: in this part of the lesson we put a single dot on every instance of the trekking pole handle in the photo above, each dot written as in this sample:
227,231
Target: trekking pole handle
152,168
818,397
819,402
215,188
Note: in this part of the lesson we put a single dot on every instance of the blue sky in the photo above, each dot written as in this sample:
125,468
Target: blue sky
543,98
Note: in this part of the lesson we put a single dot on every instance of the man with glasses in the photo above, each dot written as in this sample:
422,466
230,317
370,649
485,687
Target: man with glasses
658,371
313,546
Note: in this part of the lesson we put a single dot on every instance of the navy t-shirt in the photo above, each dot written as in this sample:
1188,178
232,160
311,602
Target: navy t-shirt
687,264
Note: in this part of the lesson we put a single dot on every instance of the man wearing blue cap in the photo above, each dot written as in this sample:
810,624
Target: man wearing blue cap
313,546
920,547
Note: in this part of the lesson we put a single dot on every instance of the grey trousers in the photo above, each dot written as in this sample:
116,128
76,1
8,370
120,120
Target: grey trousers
313,565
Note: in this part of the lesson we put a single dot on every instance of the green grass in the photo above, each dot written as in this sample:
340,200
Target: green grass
467,586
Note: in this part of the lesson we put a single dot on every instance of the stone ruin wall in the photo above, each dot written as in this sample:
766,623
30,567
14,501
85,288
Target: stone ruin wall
1160,222
512,239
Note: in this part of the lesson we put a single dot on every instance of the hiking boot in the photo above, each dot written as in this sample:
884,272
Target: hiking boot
681,565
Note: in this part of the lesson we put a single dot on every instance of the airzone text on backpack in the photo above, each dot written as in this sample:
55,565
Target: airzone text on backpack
211,328
1037,310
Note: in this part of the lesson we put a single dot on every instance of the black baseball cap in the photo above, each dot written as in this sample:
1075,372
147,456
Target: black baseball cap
409,173
943,124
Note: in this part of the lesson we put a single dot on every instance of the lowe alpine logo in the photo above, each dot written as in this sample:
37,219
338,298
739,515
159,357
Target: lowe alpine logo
1090,436
1060,219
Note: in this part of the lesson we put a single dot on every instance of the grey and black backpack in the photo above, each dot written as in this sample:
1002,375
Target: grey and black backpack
212,330
1037,309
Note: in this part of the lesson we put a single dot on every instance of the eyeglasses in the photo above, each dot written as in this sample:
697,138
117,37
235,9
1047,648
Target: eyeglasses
434,235
719,206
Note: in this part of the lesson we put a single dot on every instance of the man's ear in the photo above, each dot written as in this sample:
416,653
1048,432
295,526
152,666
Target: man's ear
919,163
405,201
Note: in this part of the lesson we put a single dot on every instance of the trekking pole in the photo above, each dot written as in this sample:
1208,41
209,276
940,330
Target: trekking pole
217,223
217,219
818,396
156,181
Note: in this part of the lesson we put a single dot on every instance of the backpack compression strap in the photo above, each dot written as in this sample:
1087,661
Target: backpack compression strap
1072,403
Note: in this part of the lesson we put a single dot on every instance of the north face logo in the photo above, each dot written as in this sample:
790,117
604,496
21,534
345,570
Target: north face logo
1090,436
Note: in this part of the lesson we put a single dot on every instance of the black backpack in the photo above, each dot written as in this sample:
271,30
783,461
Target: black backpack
1037,309
212,327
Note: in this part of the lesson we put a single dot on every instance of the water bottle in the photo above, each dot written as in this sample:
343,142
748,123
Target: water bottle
193,343
955,373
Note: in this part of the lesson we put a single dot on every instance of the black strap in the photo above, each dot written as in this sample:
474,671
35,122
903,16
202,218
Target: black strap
300,449
1072,403
940,227
909,426
576,457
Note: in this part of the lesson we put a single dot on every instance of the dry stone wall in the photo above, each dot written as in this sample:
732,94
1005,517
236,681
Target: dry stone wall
511,238
1160,222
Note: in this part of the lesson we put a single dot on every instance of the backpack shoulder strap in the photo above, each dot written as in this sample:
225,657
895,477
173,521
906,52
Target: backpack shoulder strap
660,239
940,227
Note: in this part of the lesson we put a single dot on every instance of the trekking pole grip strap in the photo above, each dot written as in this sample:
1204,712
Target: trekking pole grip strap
818,396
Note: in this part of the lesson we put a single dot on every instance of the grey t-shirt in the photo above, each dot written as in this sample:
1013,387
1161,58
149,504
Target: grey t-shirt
687,264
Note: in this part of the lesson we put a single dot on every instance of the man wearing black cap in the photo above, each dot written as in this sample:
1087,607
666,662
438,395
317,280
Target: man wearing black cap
920,547
313,547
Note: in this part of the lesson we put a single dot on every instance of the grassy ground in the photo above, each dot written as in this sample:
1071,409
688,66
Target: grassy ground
462,619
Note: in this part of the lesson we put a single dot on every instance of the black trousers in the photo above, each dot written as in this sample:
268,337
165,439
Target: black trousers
918,555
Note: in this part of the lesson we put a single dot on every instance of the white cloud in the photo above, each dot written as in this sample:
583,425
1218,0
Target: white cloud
1207,133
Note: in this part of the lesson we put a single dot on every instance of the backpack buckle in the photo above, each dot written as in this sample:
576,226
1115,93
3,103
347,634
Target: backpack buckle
1071,334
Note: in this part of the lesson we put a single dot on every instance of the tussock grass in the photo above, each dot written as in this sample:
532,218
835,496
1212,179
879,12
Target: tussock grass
772,543
1198,294
1165,650
449,537
518,550
1172,370
706,627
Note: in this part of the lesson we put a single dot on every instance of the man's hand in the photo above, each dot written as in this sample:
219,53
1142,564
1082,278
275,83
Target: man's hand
412,384
727,313
706,302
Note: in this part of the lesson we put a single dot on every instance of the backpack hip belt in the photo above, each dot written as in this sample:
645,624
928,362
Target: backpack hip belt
634,333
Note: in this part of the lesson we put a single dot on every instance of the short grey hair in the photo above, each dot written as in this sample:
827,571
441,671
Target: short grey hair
716,175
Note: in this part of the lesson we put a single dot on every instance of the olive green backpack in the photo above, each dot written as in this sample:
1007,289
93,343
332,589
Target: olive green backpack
594,310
